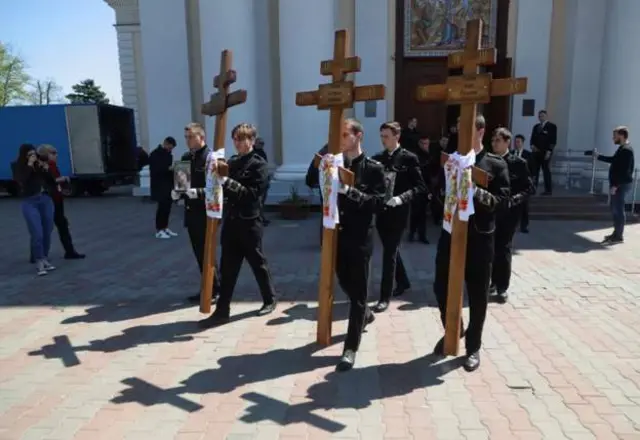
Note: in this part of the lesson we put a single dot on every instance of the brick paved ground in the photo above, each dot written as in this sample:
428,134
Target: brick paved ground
104,348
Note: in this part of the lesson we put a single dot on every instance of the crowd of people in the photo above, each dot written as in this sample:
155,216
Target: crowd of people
392,189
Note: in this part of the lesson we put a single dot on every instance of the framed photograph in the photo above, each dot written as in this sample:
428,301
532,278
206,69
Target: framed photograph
182,176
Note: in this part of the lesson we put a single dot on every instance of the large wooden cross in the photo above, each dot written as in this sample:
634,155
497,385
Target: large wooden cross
335,96
468,90
217,106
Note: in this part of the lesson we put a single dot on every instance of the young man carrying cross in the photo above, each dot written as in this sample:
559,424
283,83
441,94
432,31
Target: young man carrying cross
404,183
357,206
480,248
242,228
195,213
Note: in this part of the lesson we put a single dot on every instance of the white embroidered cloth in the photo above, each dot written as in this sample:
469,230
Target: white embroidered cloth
459,188
213,195
329,186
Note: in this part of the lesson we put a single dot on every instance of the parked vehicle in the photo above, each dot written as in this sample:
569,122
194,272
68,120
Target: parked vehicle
96,144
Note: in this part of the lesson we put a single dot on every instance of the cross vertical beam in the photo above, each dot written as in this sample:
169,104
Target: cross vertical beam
217,106
468,90
336,96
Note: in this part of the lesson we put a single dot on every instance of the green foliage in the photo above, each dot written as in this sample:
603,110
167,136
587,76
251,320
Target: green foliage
14,79
87,92
294,198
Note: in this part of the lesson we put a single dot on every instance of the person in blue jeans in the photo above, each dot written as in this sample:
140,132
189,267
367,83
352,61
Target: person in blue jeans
36,183
620,181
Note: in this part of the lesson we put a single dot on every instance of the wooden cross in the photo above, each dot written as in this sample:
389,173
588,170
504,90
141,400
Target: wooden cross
217,106
335,96
468,90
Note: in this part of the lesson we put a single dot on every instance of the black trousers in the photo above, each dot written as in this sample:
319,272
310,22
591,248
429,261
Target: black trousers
503,254
242,239
390,225
437,211
163,212
524,215
196,223
539,162
352,271
418,219
62,225
480,249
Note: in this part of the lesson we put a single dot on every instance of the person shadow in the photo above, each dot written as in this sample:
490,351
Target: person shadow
302,312
351,391
128,310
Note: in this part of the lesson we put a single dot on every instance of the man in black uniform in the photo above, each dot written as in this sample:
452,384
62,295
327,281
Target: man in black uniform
357,206
480,247
543,140
410,135
506,222
195,214
519,151
404,183
242,229
420,203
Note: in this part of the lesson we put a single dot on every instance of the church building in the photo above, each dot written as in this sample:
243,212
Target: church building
578,55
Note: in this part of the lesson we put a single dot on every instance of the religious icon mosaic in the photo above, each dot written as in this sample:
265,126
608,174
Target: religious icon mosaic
435,28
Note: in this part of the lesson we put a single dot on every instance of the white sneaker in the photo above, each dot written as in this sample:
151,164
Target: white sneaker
48,266
41,271
162,234
170,233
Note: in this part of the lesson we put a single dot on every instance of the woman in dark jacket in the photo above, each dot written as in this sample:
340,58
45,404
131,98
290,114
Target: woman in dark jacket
36,183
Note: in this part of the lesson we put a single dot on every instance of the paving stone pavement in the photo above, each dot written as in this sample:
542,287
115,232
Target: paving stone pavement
105,348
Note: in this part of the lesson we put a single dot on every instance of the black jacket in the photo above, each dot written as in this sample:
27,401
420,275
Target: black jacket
622,165
245,187
160,162
358,206
198,161
544,138
312,179
490,201
34,180
410,139
520,181
403,177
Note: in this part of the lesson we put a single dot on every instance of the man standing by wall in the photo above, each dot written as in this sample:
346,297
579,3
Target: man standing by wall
543,140
160,171
620,180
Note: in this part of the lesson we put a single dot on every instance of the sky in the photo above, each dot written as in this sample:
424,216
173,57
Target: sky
64,40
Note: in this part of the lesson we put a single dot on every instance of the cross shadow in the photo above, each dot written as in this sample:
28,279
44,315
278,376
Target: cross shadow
351,391
233,372
301,312
128,310
172,332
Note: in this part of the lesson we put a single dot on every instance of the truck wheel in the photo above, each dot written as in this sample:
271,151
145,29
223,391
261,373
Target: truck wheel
96,189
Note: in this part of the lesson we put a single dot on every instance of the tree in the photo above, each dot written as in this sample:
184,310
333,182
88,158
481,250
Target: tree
13,77
87,92
44,92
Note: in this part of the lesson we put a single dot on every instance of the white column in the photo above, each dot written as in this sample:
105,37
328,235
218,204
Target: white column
230,25
531,59
166,67
372,46
304,43
619,95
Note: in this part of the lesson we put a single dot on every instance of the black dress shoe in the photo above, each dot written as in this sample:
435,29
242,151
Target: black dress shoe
216,319
411,237
492,289
382,306
369,318
400,290
74,256
346,361
524,230
502,297
196,299
472,362
267,308
424,240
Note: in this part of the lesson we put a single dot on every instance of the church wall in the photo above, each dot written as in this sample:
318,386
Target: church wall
372,46
166,66
531,59
232,26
